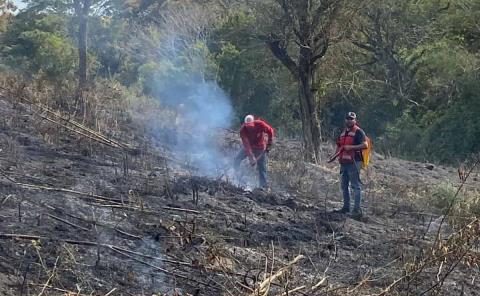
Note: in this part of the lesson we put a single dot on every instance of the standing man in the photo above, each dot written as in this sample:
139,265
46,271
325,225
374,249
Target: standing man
253,133
349,148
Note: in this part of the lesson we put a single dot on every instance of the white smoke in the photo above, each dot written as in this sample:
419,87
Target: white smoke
201,120
183,80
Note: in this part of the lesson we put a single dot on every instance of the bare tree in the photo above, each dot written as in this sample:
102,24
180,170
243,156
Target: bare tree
6,9
82,9
301,36
184,25
380,31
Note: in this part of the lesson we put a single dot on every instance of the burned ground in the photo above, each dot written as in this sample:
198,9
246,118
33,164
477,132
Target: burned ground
82,218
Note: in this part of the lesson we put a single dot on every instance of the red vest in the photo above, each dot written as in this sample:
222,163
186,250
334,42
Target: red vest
346,138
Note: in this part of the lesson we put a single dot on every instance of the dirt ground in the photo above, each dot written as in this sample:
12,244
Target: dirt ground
81,218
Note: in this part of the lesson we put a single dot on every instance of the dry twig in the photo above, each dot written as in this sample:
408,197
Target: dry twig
264,286
52,274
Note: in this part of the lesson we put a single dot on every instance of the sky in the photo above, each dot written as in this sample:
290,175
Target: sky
19,4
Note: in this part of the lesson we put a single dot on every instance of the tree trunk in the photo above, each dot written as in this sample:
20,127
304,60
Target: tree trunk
310,23
304,73
82,9
82,53
308,107
310,122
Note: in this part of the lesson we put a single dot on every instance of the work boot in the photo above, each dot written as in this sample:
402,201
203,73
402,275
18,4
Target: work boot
265,189
357,213
343,210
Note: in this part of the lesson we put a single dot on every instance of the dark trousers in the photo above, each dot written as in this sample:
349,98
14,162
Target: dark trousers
261,164
351,176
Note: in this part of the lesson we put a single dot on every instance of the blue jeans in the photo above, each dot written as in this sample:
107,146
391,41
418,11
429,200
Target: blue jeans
261,164
351,175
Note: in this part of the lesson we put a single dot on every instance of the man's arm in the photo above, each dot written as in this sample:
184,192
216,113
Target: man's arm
247,147
269,131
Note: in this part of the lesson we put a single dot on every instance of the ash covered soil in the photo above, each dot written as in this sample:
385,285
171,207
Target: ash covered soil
81,218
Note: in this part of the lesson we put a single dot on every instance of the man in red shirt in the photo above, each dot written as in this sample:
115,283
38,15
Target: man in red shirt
253,133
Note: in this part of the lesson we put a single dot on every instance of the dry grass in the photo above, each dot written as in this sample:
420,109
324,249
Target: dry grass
115,112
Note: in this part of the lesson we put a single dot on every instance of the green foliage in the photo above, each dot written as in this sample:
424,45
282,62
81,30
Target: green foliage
255,81
463,203
443,195
174,78
402,137
459,21
51,54
39,46
415,86
112,46
450,136
443,135
416,92
437,129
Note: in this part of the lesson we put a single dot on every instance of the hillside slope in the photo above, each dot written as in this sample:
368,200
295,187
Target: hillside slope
84,218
